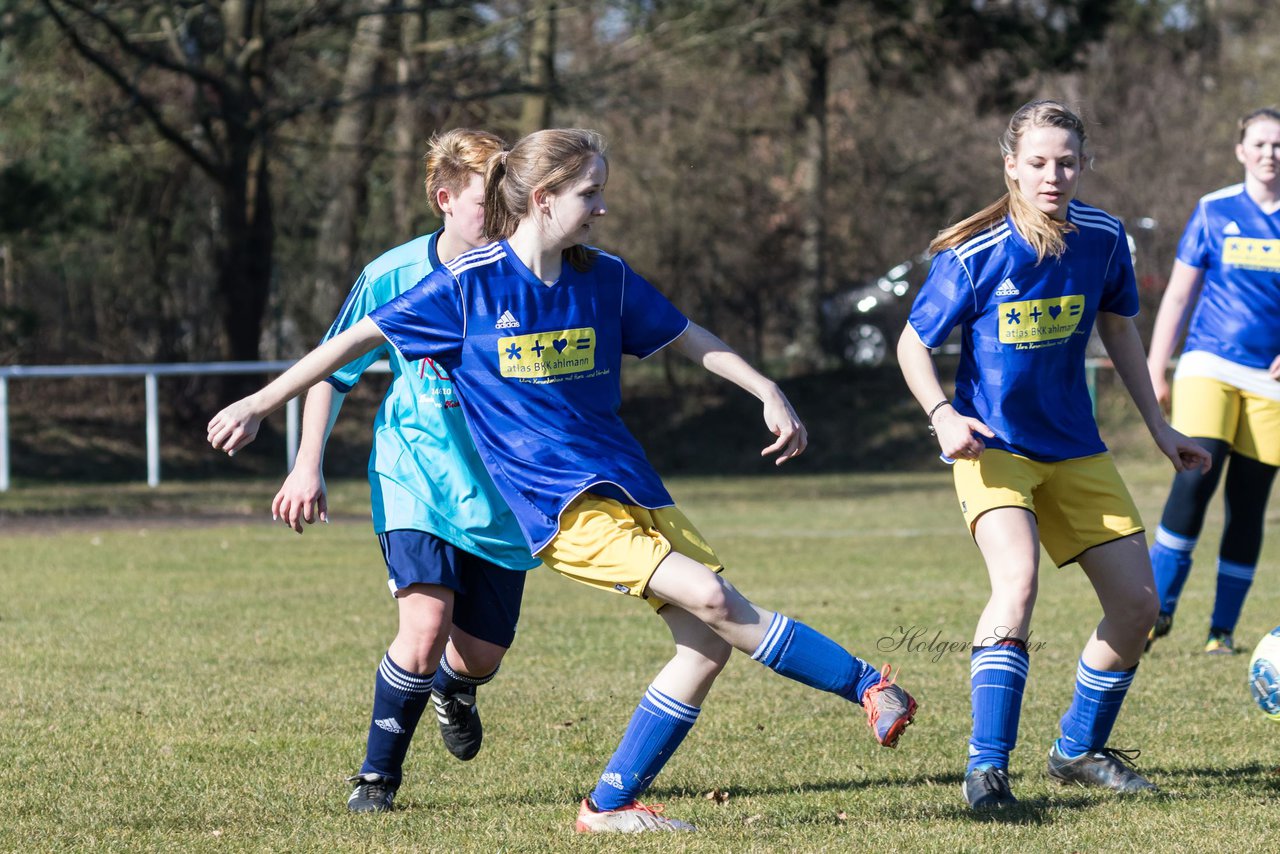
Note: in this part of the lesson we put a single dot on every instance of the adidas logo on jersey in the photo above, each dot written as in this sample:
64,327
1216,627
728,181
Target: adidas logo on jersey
1008,289
506,321
1231,228
391,725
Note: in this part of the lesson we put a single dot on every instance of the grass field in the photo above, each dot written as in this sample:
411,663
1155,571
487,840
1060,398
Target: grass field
201,682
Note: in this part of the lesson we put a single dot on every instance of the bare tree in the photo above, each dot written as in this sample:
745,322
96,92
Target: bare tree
347,164
541,67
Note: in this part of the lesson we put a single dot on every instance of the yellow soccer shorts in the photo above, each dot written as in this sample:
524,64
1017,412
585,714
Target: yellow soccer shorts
617,547
1212,409
1078,504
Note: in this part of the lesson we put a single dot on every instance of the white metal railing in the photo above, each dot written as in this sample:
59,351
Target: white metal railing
180,369
149,373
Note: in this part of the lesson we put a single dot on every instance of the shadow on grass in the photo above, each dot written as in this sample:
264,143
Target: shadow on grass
1208,783
1028,811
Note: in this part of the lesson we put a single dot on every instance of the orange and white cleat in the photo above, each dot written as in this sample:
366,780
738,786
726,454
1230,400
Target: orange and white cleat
635,817
889,708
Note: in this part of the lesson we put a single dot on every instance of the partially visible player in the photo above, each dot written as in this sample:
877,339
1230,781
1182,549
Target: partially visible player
454,553
1026,279
532,329
1226,391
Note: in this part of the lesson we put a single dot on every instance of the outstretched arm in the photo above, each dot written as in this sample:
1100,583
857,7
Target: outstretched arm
719,358
237,425
1179,295
959,436
302,495
1124,346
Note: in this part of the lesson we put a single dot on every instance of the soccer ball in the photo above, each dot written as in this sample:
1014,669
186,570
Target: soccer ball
1264,674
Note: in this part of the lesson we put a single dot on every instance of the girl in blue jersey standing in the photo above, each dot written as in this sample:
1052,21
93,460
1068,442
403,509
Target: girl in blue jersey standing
1227,386
456,561
1026,280
532,329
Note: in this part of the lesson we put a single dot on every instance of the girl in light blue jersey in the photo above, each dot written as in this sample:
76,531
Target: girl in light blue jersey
532,329
1227,386
1026,280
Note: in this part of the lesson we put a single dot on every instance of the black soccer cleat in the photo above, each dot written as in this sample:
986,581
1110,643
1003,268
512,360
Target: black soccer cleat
988,788
1107,768
1164,625
373,793
460,725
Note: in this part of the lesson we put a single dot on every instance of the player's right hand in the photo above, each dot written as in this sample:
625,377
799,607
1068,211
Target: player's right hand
959,436
234,427
301,498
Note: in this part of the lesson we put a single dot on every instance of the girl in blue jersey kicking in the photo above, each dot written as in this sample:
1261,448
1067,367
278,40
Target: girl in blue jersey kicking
1026,280
532,329
455,558
1227,385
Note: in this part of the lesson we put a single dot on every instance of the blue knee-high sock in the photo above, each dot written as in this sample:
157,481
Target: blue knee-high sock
794,650
656,729
998,678
1171,562
1234,581
449,682
1099,694
399,698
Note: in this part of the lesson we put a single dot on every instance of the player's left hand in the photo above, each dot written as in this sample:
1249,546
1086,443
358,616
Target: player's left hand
783,422
1274,370
234,427
1185,454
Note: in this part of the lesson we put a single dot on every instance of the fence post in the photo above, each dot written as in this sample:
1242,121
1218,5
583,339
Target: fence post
153,432
290,433
4,434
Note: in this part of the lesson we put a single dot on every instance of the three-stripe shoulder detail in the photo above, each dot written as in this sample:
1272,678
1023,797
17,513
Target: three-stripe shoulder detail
476,258
983,241
1090,217
1224,193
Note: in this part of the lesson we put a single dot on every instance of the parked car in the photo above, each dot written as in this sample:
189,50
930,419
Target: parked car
861,324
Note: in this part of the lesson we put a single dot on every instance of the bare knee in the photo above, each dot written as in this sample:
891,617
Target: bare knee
714,602
707,659
476,657
423,631
1140,611
1019,594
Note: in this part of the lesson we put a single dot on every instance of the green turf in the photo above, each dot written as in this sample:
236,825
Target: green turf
204,686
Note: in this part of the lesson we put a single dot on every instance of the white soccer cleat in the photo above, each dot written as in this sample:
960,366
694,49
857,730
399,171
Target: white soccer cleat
635,817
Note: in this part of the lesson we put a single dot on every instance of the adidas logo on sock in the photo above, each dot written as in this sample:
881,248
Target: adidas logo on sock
611,778
506,321
1008,289
391,725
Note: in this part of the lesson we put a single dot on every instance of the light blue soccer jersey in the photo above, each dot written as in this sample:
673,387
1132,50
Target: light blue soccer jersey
537,369
1025,326
1238,247
424,471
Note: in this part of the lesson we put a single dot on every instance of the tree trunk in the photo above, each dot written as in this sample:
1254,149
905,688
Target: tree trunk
246,236
811,173
407,188
540,75
348,164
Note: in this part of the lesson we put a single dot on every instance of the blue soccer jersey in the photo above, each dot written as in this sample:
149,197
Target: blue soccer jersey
424,471
537,369
1238,247
1025,327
